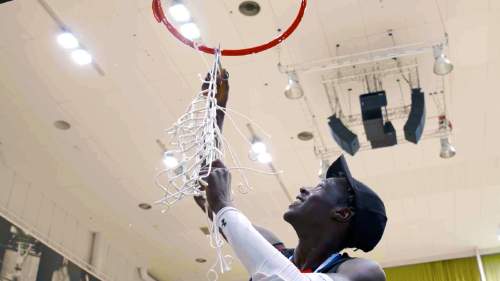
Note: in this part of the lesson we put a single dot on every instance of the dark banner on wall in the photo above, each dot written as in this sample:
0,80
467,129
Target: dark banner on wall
23,258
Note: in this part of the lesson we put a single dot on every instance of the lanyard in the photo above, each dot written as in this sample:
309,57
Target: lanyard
328,262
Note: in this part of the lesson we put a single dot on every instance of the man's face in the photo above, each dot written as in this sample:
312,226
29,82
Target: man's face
314,205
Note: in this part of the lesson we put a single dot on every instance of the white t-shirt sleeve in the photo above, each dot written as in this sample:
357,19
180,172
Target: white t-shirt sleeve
259,257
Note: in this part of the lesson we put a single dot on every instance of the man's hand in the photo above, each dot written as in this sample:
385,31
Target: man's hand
222,87
219,187
202,203
222,93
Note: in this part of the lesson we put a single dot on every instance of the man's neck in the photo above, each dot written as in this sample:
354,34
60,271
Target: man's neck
313,250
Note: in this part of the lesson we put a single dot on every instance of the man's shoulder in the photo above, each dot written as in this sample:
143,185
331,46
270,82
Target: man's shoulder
360,269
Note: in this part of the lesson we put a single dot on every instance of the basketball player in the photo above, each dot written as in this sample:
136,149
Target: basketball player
338,213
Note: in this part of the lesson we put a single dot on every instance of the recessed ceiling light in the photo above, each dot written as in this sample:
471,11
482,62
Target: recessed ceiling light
249,8
201,260
305,136
67,40
81,57
180,13
145,206
264,158
62,125
259,147
190,31
169,160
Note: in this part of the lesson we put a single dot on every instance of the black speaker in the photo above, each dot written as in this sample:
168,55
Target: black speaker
389,139
4,1
346,139
415,124
372,101
379,134
374,129
371,112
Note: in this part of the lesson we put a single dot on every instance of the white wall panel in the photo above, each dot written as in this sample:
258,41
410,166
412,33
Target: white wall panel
32,206
6,179
45,216
18,196
57,226
69,237
40,212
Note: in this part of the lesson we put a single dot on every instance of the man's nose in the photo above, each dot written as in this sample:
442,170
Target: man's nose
304,190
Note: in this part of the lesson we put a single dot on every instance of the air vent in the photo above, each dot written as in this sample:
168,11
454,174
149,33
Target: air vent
305,136
205,230
249,8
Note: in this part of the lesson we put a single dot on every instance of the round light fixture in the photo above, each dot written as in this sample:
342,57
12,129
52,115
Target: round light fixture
81,57
190,31
259,147
170,160
180,13
264,158
249,8
305,136
67,40
145,206
62,125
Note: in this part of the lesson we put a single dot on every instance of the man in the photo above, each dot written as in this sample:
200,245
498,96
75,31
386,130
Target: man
339,213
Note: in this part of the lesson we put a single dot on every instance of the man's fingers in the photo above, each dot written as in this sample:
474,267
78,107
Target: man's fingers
218,164
200,201
203,183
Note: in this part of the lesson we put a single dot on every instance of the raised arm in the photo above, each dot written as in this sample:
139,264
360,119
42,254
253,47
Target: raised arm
267,234
260,258
222,93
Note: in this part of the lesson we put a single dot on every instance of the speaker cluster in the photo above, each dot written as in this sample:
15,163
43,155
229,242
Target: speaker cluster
380,131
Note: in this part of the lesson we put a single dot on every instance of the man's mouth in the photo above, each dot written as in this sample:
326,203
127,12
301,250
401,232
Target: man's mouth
298,200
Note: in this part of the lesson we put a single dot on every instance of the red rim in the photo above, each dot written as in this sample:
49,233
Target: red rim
161,18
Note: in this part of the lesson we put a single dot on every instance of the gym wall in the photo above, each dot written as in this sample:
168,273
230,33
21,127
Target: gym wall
465,269
62,234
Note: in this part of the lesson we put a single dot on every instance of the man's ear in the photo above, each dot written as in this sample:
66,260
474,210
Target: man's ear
341,214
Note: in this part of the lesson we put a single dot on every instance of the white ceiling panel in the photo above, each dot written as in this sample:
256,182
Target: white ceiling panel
106,162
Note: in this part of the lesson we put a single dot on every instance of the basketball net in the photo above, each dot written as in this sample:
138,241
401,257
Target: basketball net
196,141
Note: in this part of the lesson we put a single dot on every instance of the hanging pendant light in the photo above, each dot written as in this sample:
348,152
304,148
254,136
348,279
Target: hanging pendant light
323,168
447,149
442,65
293,90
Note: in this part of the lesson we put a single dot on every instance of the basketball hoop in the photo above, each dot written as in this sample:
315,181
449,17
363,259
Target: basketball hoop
161,18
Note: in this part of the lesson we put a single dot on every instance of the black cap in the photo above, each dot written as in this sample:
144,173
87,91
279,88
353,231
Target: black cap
369,220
